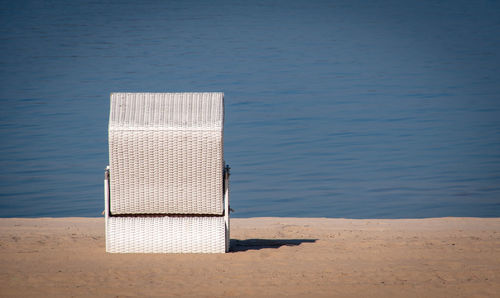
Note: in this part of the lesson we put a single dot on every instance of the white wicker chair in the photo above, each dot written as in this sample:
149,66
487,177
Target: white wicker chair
166,187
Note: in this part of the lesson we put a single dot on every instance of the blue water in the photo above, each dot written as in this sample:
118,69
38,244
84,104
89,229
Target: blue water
354,109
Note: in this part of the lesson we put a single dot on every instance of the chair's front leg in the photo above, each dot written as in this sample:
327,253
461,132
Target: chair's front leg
106,191
226,204
106,204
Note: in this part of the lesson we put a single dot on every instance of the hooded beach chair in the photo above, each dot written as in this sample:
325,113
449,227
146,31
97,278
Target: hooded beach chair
167,185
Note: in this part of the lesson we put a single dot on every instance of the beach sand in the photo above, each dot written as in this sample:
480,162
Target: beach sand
297,257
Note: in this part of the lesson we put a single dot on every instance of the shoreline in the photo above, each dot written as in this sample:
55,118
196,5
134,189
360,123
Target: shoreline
320,257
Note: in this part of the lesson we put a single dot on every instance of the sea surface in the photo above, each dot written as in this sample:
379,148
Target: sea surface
356,109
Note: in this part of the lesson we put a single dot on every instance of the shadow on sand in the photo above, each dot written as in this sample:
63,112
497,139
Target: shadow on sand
256,244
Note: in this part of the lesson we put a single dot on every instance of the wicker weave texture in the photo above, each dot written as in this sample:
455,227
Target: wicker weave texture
166,172
165,234
166,153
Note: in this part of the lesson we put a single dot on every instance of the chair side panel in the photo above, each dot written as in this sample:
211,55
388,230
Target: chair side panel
166,172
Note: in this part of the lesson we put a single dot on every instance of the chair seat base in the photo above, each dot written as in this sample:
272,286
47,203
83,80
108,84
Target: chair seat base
166,234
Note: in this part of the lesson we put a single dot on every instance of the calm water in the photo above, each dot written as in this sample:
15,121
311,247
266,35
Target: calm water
334,108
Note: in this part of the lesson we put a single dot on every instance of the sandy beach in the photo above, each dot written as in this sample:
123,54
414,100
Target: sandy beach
298,257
